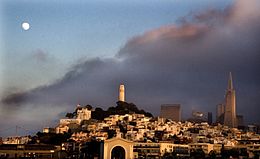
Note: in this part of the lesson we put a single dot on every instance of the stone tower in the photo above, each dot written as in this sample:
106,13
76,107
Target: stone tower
121,96
230,105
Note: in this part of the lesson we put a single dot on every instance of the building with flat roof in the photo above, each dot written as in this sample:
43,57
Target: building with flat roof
171,111
220,113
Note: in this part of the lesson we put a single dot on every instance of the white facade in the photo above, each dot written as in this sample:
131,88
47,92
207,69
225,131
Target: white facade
83,114
126,145
69,121
62,129
206,147
121,93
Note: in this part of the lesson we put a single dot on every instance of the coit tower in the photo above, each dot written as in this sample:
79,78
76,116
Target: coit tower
230,105
121,93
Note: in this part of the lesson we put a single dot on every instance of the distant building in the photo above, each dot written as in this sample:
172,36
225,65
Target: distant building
42,151
117,148
121,96
16,140
230,105
61,129
171,111
206,147
220,113
83,113
209,118
69,121
48,130
121,148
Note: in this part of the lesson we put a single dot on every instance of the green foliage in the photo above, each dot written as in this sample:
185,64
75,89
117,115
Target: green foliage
121,108
89,107
99,114
52,138
91,149
111,134
226,153
70,115
197,154
212,154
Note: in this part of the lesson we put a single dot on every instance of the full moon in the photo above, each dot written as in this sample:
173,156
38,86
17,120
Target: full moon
25,26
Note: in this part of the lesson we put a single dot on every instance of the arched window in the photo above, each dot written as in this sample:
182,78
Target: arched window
118,152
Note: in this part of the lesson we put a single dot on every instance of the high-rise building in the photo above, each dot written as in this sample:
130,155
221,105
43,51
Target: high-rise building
121,96
220,113
171,111
209,118
230,105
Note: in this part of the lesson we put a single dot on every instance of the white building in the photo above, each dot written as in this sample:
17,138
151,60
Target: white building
206,147
83,113
62,129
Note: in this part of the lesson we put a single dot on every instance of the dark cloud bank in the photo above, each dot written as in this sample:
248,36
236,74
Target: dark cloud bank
185,63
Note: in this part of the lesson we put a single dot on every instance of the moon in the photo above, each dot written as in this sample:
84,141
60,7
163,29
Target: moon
25,26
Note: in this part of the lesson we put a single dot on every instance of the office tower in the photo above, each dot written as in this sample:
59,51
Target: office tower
230,105
209,118
171,111
121,93
220,113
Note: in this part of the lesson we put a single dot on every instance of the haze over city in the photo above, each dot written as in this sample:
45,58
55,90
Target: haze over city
162,51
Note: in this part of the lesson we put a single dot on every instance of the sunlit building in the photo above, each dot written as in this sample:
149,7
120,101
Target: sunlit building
171,111
121,96
230,105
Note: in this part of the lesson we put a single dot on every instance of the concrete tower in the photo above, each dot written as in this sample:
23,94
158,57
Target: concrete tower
230,105
121,93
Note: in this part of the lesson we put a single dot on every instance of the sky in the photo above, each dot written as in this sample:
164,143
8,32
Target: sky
163,51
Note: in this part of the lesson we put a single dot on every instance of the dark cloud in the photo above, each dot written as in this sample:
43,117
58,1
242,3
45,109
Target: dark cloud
14,99
186,63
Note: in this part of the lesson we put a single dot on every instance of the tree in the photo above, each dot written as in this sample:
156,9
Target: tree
212,154
70,115
167,155
111,134
227,153
99,114
197,154
89,107
52,138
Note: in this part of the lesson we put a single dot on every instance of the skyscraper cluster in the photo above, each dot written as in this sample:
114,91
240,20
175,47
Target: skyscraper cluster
226,111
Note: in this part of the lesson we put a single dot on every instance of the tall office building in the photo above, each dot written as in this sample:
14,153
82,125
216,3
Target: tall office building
209,118
121,96
171,111
220,113
230,105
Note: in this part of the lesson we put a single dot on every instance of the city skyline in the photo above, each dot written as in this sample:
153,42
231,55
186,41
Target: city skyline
163,52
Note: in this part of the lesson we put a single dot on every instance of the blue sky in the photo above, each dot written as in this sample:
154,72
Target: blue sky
65,38
70,31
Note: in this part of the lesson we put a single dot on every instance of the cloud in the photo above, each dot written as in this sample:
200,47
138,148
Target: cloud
39,55
185,63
